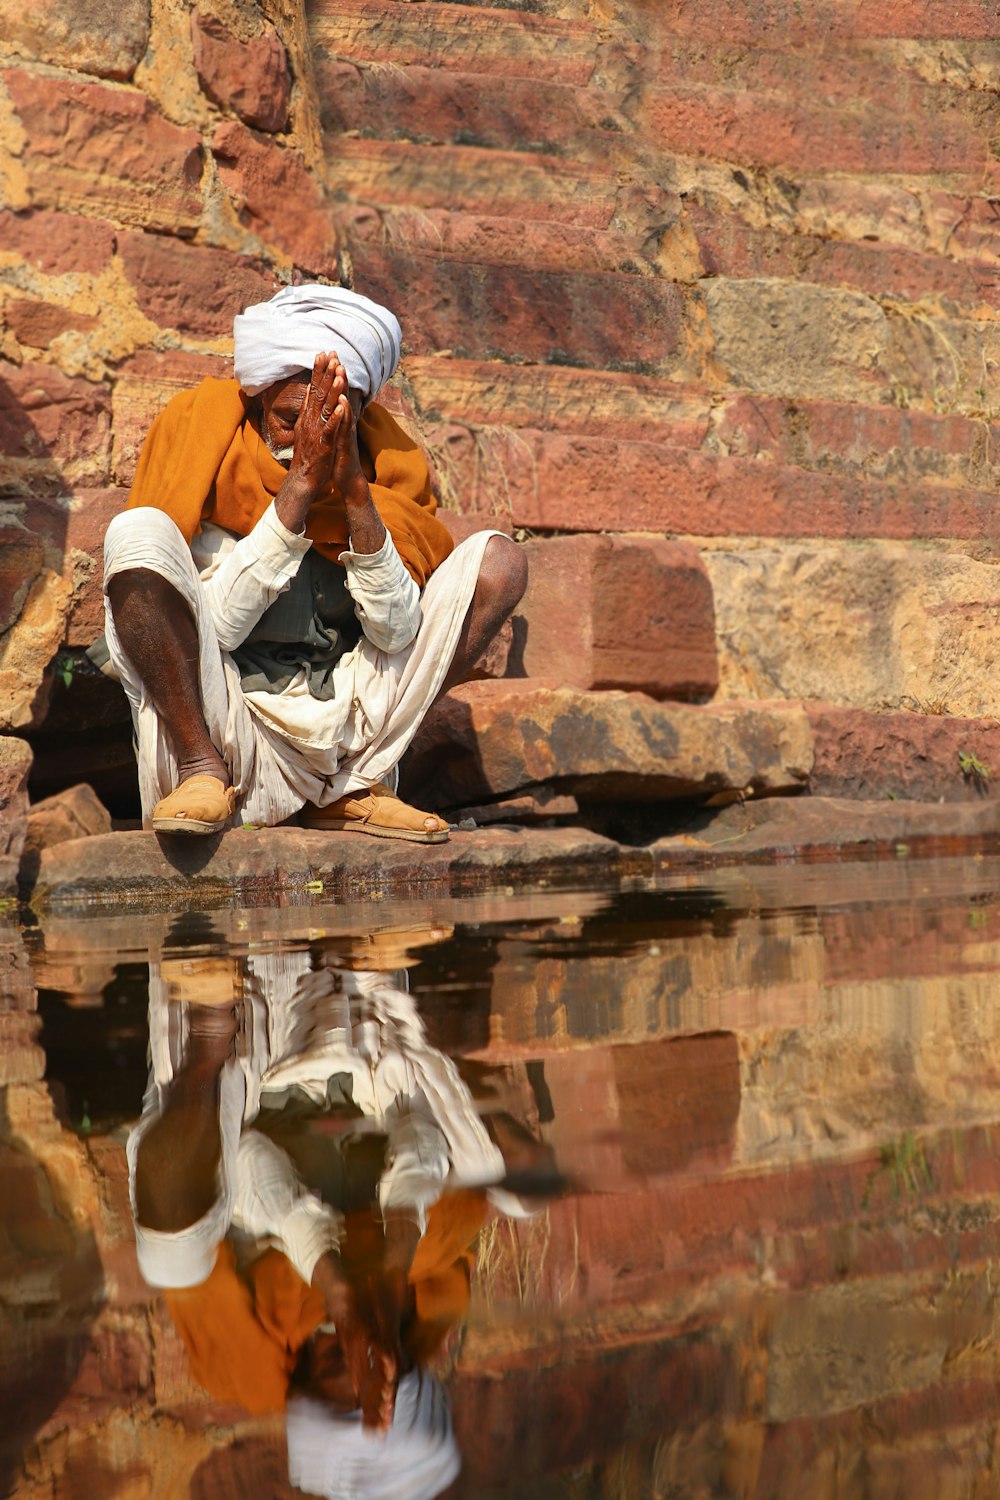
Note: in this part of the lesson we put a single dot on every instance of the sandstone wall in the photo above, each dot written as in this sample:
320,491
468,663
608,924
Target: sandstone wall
724,271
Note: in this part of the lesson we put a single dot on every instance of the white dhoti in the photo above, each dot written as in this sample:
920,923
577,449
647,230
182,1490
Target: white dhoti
287,748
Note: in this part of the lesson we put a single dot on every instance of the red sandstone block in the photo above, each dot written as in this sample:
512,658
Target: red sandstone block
875,442
911,755
968,224
251,78
500,42
489,311
22,557
487,237
86,35
487,395
524,185
107,150
58,243
732,125
263,179
190,287
429,104
145,384
618,612
730,247
36,324
576,484
936,20
48,420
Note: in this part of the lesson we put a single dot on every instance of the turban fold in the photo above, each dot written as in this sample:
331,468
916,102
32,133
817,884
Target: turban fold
273,340
331,1454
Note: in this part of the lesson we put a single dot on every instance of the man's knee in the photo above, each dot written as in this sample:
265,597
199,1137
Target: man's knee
504,572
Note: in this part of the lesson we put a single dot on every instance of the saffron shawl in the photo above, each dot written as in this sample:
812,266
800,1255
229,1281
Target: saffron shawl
205,461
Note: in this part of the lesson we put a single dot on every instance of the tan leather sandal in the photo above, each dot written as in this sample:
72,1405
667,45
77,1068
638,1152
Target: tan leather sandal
377,812
201,805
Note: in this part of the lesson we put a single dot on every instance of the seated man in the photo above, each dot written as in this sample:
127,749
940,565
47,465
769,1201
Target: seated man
282,603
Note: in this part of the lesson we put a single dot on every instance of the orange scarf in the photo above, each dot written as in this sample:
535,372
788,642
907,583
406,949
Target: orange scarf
204,460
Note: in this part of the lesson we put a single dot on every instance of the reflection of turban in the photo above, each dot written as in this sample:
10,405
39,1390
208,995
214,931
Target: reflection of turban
331,1454
278,338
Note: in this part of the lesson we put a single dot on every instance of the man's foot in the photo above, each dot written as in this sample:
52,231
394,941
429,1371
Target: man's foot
202,804
378,813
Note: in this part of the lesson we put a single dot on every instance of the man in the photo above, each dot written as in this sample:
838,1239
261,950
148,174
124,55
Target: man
282,603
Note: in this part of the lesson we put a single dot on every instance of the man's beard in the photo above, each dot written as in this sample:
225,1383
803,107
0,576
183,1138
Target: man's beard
283,455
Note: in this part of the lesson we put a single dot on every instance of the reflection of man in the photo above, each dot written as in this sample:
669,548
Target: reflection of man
307,1188
283,603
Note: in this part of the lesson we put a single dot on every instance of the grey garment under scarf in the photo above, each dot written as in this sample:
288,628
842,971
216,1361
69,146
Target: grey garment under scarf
308,628
273,340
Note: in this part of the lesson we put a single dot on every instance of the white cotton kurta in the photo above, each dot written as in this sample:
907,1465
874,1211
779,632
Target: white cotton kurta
287,748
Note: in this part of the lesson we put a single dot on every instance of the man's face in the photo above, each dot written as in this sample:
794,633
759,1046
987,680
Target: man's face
281,404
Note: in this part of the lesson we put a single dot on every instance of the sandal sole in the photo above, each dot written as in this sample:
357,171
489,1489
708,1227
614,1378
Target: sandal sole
188,825
379,831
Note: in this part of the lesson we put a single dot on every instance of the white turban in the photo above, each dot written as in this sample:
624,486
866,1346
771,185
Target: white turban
331,1454
275,339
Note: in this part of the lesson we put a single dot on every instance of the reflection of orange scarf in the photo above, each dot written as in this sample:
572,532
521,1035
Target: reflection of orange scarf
204,460
243,1335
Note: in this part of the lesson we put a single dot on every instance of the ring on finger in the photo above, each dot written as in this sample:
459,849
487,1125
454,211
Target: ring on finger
325,415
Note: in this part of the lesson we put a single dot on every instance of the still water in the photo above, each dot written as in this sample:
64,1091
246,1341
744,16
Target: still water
689,1191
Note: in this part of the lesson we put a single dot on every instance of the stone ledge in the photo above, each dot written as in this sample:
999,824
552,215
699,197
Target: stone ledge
289,866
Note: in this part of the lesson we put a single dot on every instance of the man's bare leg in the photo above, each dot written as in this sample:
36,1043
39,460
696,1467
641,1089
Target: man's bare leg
503,578
158,634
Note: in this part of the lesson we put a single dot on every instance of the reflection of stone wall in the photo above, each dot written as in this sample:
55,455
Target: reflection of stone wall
790,1252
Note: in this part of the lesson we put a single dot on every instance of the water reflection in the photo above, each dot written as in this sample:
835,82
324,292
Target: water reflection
754,1122
308,1181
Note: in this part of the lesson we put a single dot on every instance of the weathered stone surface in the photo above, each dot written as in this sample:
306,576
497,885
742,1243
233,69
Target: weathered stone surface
262,179
96,149
76,813
15,763
919,756
189,287
778,337
489,739
618,612
515,313
28,648
76,524
37,324
251,78
52,429
87,35
262,864
21,560
873,627
57,244
145,384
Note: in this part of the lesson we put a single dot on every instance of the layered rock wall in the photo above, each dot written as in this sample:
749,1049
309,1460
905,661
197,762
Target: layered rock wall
725,272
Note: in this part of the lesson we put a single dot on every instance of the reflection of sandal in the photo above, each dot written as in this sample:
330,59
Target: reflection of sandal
375,812
201,804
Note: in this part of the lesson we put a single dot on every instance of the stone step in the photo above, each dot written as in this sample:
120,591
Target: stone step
547,480
839,438
523,185
521,313
491,109
507,43
489,739
492,239
559,398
